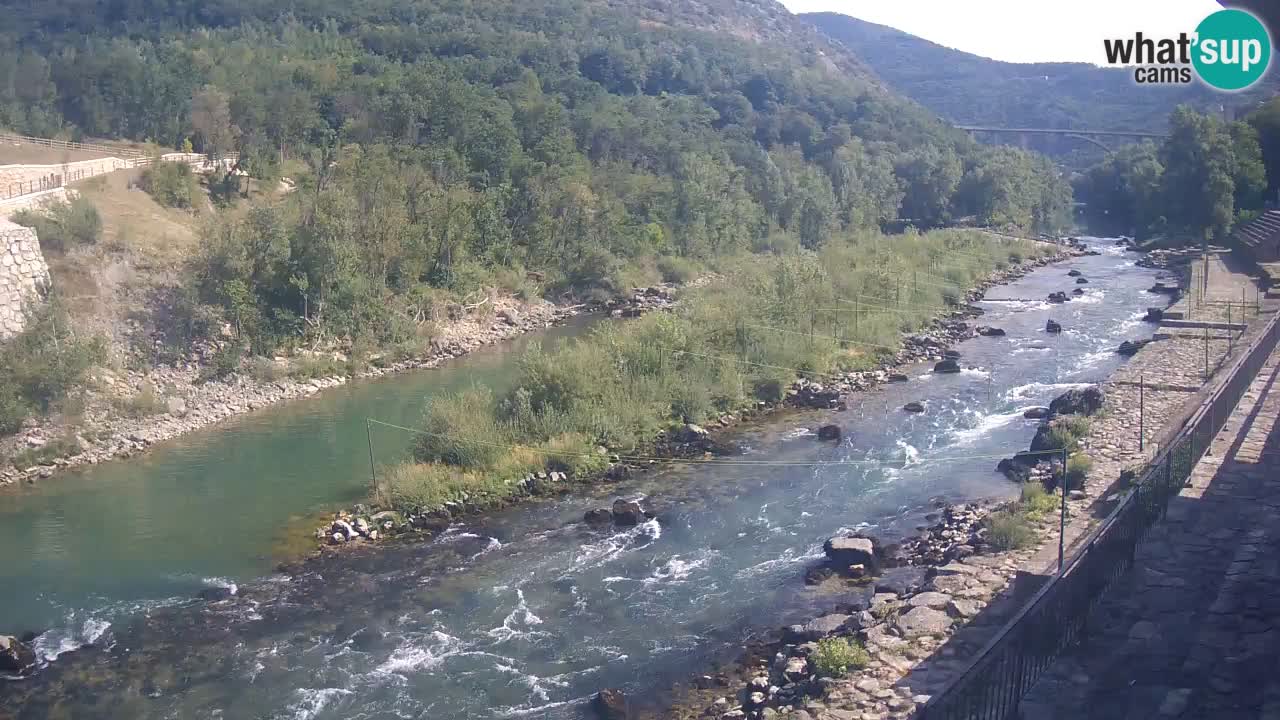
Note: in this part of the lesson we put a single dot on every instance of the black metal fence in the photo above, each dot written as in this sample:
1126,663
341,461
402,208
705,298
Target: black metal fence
1058,615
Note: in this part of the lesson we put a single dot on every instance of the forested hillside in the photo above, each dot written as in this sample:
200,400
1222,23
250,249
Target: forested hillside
443,147
972,90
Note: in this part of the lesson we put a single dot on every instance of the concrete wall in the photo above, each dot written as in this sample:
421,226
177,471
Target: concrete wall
23,275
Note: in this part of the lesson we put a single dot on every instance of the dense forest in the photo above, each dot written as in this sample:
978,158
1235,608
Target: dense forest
441,148
972,90
1206,177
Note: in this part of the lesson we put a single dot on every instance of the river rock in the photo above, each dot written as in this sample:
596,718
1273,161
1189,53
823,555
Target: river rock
902,581
947,366
923,621
216,594
1154,314
951,354
898,377
1082,281
1057,297
914,407
1086,401
1052,326
824,626
1074,273
1078,291
843,552
829,432
1036,413
176,406
985,331
610,704
1129,348
931,599
693,433
16,658
510,316
1017,468
627,513
597,518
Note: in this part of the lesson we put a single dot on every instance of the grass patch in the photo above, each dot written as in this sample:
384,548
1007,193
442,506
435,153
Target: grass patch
1036,502
1008,530
837,656
61,447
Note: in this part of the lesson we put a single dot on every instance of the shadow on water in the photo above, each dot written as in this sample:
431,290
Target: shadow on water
527,612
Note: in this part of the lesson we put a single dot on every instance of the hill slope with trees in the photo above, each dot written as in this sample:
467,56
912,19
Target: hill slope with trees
442,148
971,90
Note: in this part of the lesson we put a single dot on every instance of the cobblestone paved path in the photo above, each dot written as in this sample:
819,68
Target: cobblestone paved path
1193,631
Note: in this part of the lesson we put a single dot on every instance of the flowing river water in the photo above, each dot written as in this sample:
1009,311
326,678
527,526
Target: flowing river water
526,612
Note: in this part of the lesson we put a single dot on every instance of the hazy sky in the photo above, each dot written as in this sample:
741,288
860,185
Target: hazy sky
1024,30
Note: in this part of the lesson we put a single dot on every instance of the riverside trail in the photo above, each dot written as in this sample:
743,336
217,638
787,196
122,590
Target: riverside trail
527,612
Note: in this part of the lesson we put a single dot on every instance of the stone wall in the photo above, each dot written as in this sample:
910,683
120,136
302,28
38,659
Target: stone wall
23,275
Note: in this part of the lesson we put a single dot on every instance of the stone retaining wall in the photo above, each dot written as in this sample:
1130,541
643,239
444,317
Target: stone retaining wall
23,275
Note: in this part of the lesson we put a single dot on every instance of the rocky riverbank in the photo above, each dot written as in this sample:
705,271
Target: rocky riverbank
115,423
923,608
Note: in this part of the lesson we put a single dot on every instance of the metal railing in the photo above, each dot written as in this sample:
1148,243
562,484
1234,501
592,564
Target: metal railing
1058,615
69,145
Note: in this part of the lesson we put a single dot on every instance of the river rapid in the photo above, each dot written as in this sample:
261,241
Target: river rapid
527,612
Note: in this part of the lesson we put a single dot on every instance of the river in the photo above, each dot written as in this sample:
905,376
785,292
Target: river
526,612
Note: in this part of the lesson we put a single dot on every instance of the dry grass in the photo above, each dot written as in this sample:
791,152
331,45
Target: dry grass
23,154
132,222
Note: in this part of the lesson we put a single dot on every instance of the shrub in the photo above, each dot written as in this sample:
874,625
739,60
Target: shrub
461,429
574,453
836,656
1078,467
1009,531
317,366
61,226
266,370
676,270
13,412
1036,501
45,362
145,403
64,446
171,184
224,362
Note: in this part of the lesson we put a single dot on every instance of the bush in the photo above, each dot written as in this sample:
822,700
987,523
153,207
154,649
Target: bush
574,453
836,656
1009,531
460,429
676,270
171,184
224,363
1078,467
62,447
145,403
1036,502
61,226
43,364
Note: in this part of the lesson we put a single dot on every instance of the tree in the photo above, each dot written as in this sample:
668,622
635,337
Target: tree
1198,184
1266,121
211,120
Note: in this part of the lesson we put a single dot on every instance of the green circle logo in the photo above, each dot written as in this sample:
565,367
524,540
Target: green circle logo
1232,50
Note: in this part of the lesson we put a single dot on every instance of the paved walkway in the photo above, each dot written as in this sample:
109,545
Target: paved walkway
1193,631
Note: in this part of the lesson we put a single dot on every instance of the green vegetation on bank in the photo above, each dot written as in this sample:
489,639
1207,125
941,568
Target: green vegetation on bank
45,364
838,656
737,341
1206,176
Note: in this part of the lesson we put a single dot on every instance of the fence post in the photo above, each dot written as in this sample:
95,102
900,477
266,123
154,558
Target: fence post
1062,520
373,473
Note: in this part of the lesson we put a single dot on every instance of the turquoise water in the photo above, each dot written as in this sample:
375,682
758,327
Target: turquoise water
210,508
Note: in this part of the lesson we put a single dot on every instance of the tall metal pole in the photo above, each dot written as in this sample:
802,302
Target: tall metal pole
1062,520
373,473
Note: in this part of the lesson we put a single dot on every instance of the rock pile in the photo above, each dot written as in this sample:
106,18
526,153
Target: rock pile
643,300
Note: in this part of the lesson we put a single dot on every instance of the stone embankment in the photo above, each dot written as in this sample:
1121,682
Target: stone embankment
953,588
23,275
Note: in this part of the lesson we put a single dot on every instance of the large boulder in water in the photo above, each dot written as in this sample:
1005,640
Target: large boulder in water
1074,273
1057,297
947,366
1086,401
1015,469
628,513
598,518
1053,327
914,407
1036,413
16,658
986,331
610,704
1082,281
829,432
845,552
